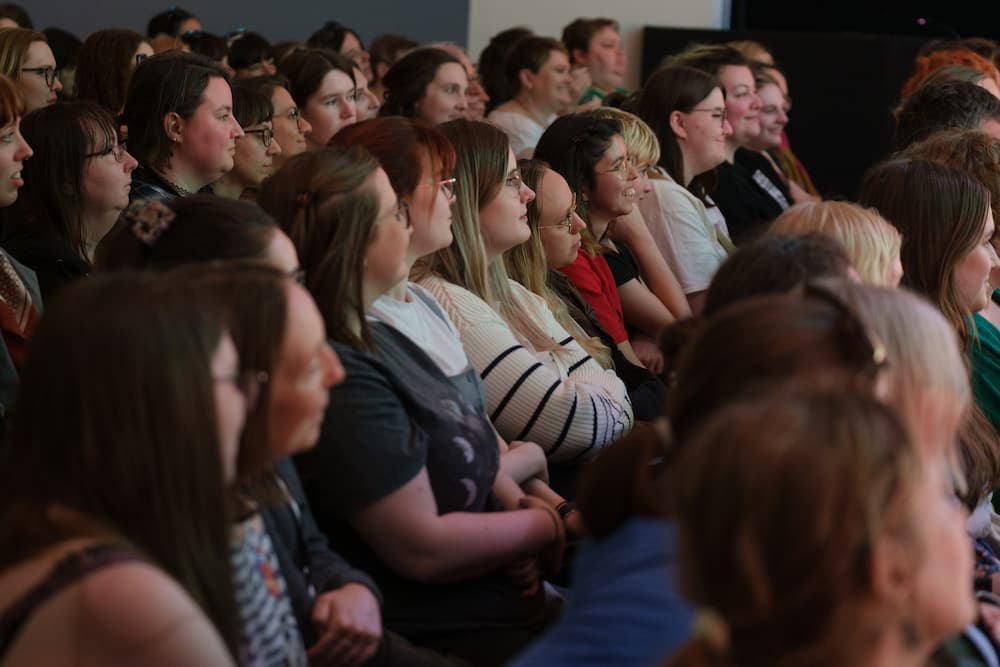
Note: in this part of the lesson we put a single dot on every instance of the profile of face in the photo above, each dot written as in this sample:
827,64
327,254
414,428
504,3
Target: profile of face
702,132
476,97
559,225
503,220
386,259
14,150
551,86
290,128
943,601
773,116
445,96
430,211
605,59
894,272
330,108
351,47
366,102
614,191
230,403
742,103
106,179
305,370
39,77
255,151
204,145
971,273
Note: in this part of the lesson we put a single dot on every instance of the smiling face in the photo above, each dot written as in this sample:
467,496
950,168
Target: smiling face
254,161
503,221
445,96
614,191
36,91
205,144
701,134
551,86
14,150
742,103
330,108
365,101
561,242
290,128
306,368
971,274
773,116
605,59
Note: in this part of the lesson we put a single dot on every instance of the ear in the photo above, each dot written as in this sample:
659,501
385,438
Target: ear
892,573
173,126
678,124
579,57
526,78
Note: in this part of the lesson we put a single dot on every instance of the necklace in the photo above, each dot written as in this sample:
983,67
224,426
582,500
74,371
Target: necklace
183,192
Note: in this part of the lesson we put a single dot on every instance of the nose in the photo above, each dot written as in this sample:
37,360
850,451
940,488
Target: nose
24,150
782,116
632,172
130,162
274,148
578,223
460,103
56,84
334,370
526,194
755,102
237,131
347,109
727,128
304,126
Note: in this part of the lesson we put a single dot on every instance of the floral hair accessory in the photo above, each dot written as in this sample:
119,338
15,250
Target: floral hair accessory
149,217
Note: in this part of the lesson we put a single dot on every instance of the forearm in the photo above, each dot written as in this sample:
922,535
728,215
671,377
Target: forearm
524,463
660,279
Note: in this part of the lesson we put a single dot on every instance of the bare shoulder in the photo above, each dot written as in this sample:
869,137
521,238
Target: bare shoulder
134,613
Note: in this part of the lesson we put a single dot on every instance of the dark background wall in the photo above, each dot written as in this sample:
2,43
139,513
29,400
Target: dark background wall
275,19
843,88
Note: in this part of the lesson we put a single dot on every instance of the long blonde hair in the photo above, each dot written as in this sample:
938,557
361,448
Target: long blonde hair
527,265
483,150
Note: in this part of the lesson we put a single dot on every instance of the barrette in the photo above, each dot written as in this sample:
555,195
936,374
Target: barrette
149,217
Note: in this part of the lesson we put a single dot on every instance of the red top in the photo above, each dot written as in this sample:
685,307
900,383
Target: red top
592,278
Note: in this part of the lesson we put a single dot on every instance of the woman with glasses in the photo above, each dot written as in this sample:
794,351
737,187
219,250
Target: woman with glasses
322,84
105,65
26,58
74,191
255,150
144,379
538,72
541,385
403,473
686,109
290,128
747,197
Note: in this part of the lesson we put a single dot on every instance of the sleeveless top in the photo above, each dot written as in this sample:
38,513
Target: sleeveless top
65,573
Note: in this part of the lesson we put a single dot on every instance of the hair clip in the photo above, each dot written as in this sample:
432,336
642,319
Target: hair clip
149,217
575,139
304,199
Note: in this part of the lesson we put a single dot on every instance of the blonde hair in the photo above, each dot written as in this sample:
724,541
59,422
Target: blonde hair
640,140
482,150
869,240
527,265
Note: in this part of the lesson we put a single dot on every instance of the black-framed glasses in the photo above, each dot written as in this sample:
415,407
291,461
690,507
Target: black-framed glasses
266,135
870,350
247,383
140,58
118,150
448,187
295,114
719,113
48,73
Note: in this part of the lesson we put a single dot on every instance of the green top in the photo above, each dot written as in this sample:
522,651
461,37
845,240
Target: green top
592,92
984,355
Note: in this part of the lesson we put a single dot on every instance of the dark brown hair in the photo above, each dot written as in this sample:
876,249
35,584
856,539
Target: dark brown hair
104,67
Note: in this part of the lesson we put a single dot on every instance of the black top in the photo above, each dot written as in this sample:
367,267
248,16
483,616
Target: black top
745,195
39,248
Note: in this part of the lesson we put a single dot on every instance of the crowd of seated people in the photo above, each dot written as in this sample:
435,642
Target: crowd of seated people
319,355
